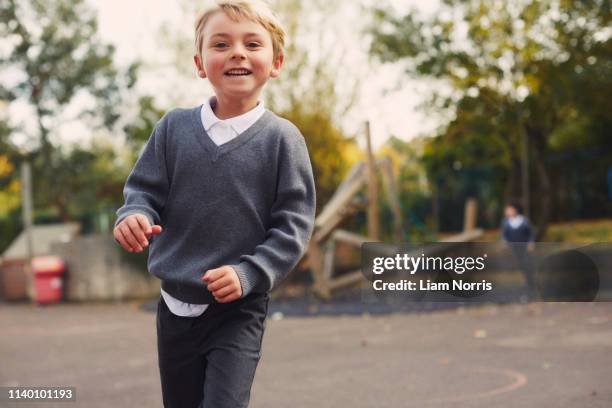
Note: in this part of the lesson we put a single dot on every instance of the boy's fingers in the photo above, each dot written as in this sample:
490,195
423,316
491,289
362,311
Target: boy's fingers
224,291
212,275
137,231
120,240
140,224
129,237
156,229
144,223
124,243
219,283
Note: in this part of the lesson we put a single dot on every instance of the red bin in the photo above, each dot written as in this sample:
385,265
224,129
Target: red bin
48,278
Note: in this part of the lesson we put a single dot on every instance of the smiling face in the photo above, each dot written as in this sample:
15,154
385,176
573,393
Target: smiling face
236,57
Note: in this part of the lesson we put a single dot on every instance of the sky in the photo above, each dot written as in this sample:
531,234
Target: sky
133,27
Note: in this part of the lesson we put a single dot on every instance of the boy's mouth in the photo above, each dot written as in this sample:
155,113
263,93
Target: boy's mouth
237,72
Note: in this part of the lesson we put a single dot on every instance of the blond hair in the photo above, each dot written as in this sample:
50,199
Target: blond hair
253,10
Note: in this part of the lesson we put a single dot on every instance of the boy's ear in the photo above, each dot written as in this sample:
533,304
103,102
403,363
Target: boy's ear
277,65
199,66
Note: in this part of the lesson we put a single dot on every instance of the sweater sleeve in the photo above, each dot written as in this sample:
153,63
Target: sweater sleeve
146,188
291,222
504,231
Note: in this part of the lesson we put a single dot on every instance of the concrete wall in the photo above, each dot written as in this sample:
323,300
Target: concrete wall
99,269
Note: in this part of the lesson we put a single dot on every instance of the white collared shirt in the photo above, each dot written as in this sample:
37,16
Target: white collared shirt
223,130
516,221
220,131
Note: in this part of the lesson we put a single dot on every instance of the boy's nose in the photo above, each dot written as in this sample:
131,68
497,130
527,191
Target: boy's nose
238,52
238,55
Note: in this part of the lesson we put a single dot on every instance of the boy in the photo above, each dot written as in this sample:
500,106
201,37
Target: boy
515,226
225,194
517,231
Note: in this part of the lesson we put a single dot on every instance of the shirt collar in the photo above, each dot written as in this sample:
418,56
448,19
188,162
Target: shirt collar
239,123
516,221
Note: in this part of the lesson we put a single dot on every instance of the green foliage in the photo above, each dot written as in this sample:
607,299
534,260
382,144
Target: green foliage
587,232
138,131
514,68
316,74
413,191
10,189
328,148
53,46
10,185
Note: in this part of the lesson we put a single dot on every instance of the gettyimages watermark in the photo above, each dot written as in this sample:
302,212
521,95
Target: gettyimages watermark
486,272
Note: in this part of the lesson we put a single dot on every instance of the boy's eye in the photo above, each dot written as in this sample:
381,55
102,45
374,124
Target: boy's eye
223,45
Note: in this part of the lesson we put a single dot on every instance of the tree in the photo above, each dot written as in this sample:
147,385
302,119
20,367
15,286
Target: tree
528,58
10,185
10,188
57,63
139,130
330,151
317,74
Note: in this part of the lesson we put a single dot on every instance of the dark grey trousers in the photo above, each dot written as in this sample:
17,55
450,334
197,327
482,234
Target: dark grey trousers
209,361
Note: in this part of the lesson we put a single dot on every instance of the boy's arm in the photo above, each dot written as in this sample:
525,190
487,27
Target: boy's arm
291,222
504,231
147,185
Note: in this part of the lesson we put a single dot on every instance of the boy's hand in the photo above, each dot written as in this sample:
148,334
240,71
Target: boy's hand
223,283
133,231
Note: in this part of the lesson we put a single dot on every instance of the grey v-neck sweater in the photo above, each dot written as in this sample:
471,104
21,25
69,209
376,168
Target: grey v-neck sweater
248,203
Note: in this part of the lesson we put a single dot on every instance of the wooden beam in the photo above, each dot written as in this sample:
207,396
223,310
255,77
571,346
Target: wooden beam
328,260
465,236
348,237
345,280
345,192
315,258
392,196
470,214
335,211
373,221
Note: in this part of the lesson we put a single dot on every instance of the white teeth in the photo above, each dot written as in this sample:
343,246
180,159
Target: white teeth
238,72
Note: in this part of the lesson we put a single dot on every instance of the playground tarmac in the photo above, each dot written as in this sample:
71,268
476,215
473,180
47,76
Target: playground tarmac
530,355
